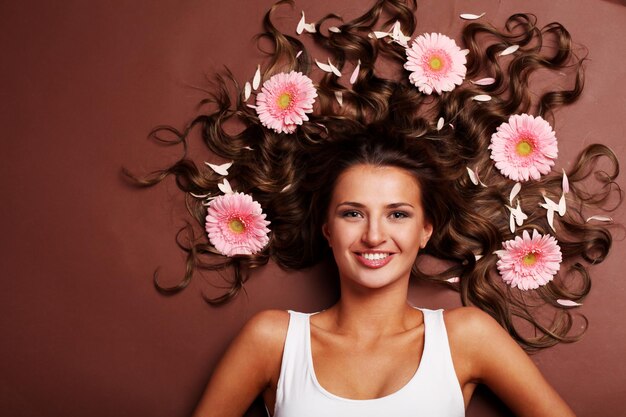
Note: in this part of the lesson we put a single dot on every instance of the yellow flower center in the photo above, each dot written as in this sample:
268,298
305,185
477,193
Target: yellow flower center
236,226
284,100
529,259
524,147
436,63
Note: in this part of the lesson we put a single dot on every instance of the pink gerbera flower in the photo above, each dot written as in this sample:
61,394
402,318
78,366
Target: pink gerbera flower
284,100
236,225
524,147
436,62
528,262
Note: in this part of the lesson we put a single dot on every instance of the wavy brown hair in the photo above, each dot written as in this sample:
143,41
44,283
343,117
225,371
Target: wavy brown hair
384,120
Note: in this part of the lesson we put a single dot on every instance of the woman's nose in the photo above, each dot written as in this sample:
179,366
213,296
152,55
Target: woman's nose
374,234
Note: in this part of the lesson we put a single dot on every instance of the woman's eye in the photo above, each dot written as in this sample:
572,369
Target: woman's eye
399,215
350,214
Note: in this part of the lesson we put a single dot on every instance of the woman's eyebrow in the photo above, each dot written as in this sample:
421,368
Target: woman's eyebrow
360,205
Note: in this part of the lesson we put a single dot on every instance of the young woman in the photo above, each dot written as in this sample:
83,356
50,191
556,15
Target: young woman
451,155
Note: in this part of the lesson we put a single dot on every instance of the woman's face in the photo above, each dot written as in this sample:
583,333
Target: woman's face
375,225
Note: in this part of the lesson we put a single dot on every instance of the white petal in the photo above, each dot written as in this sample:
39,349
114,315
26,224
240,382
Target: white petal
600,219
478,257
514,191
484,81
298,54
301,24
355,73
309,27
472,176
550,216
440,123
470,16
220,169
509,50
550,205
256,81
225,187
565,184
252,106
334,69
339,97
481,97
512,222
285,188
334,29
453,280
568,303
200,195
248,148
562,205
380,35
324,67
247,91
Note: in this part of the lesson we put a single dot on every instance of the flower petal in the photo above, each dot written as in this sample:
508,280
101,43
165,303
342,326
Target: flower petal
508,51
453,280
568,303
339,97
256,81
247,91
472,176
481,97
301,23
298,54
220,169
334,29
440,123
484,81
470,16
565,183
323,67
562,205
334,69
380,35
225,187
600,218
514,191
355,73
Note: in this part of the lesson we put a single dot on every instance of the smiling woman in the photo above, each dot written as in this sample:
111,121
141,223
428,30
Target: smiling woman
371,172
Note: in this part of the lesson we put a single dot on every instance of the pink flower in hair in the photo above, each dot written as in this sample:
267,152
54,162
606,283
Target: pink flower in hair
528,262
284,100
524,147
436,63
236,225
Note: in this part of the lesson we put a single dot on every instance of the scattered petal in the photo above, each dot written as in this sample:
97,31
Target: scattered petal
334,29
528,262
220,169
549,204
225,187
298,54
470,16
568,303
323,67
301,23
256,81
484,81
472,176
252,106
285,188
355,73
453,280
482,97
397,35
334,69
478,257
512,222
514,192
524,147
436,63
284,101
565,184
600,219
550,216
380,35
200,195
562,205
440,123
519,215
236,225
508,51
310,27
247,91
248,148
339,97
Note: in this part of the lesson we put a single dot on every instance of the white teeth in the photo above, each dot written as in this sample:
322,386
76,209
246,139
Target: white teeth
375,256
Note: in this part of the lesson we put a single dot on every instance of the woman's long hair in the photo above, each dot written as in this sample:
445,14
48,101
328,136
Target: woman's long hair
384,120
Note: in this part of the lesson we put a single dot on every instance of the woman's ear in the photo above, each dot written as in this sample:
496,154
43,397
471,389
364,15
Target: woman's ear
326,233
428,231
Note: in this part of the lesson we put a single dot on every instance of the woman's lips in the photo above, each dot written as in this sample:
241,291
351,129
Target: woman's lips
374,259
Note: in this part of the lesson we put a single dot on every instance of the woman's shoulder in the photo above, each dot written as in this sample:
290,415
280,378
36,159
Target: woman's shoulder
267,327
470,325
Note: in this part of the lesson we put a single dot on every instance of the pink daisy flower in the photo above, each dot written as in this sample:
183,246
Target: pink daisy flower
436,63
524,147
236,225
528,262
284,100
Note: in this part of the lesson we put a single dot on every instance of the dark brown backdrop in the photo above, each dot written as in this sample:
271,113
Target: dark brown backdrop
82,331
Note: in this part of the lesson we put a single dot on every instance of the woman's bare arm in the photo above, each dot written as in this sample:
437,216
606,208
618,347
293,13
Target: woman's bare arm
490,356
247,367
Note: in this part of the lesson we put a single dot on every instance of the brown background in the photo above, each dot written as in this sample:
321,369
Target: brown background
82,330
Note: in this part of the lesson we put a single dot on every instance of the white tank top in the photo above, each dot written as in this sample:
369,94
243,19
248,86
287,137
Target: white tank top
433,391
